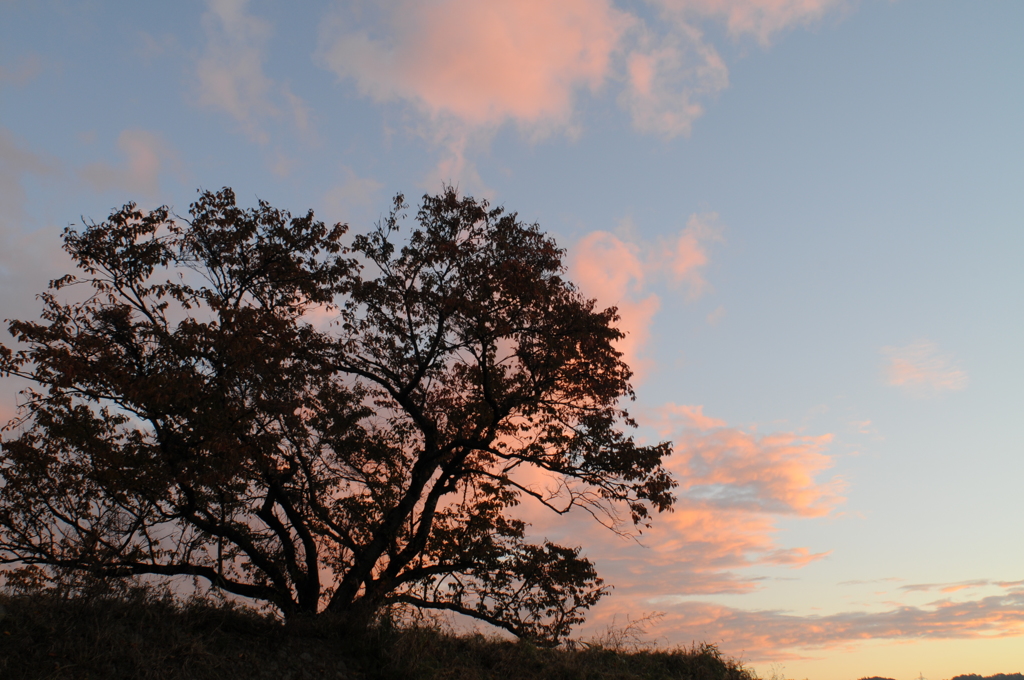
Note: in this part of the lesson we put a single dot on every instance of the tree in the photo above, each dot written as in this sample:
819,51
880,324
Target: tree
188,417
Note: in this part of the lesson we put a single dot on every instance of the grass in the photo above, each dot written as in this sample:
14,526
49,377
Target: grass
148,636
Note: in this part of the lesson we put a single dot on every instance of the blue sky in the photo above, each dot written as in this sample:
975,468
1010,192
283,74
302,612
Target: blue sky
809,212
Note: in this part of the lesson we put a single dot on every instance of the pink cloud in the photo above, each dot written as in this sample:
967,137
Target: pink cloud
695,550
670,417
619,273
733,488
614,272
145,155
609,266
483,62
698,548
921,369
668,78
775,635
526,61
687,256
732,468
8,409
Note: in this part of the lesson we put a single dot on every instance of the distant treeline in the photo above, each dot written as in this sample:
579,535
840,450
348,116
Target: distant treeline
972,676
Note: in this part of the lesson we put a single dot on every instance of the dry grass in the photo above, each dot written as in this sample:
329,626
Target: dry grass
146,636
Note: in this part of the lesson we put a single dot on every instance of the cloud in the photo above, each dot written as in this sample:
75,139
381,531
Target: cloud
463,69
28,258
715,317
668,77
614,272
686,257
734,486
863,427
921,369
16,161
25,71
479,65
958,586
618,273
481,62
860,582
457,144
145,157
759,18
776,635
729,468
670,417
230,71
351,191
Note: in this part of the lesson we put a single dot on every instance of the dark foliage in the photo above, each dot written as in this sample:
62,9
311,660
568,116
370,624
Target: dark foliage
149,637
188,419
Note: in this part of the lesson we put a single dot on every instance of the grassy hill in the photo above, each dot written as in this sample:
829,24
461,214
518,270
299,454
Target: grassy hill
147,637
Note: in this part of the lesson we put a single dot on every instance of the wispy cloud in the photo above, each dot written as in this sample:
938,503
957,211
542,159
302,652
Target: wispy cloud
860,582
715,317
759,18
669,77
686,257
230,73
671,417
145,154
24,70
959,585
777,635
351,191
17,161
863,427
149,47
920,368
619,272
28,257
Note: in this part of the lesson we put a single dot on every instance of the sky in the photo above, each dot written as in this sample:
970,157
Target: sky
810,214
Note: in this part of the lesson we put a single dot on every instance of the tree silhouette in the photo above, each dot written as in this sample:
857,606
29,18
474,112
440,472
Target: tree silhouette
188,417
